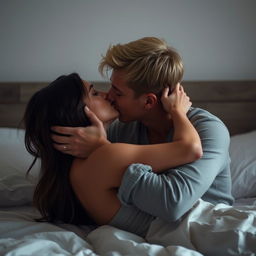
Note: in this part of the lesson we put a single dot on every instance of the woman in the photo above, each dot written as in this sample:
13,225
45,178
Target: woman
84,191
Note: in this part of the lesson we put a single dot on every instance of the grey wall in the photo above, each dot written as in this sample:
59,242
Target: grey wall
41,39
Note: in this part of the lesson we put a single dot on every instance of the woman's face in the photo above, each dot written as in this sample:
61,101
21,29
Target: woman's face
96,101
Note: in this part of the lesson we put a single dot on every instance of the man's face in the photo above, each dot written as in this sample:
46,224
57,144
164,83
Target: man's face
130,108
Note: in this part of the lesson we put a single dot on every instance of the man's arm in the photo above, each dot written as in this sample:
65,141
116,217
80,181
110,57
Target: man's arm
172,194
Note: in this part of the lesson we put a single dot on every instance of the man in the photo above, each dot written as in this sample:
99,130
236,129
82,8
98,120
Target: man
140,71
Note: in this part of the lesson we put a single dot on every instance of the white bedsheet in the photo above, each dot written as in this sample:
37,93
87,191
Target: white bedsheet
212,230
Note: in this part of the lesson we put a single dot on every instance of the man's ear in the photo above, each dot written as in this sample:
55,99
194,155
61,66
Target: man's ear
150,100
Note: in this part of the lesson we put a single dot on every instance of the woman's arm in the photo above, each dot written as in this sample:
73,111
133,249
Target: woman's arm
185,148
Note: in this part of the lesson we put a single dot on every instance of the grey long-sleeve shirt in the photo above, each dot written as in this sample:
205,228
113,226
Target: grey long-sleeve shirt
171,194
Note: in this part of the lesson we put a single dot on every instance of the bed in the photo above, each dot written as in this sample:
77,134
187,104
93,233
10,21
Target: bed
233,101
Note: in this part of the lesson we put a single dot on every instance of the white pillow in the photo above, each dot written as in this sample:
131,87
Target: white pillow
15,188
243,164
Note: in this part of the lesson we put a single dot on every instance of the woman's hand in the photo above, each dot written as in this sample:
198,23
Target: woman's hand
80,141
177,101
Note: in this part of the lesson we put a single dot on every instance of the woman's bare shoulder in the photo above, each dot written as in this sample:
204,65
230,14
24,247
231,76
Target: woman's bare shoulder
100,158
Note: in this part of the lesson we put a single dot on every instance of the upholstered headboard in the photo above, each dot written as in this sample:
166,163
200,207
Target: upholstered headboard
232,101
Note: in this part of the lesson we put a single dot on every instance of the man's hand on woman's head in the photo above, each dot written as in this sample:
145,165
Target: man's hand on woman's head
80,141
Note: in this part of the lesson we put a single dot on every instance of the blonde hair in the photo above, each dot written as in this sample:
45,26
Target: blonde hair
149,64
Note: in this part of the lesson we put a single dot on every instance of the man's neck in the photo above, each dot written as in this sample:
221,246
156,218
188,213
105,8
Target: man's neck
158,125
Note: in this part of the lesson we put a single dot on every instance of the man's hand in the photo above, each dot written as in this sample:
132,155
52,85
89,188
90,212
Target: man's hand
80,141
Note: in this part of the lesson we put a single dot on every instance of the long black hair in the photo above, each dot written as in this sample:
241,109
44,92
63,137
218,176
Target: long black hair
60,103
